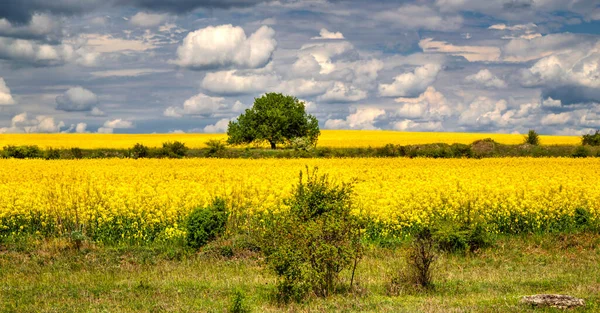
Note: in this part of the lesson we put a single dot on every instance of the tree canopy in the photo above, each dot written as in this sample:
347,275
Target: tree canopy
276,119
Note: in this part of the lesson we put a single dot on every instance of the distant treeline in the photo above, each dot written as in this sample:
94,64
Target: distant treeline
484,148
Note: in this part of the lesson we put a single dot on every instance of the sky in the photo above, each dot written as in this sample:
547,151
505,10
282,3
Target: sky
174,66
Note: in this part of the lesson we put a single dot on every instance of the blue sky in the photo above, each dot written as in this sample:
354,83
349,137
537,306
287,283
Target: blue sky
144,66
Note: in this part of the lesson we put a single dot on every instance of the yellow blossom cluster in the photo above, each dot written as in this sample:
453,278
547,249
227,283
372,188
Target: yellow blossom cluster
328,138
148,199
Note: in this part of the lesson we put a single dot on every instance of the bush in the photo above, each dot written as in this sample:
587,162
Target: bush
216,147
139,151
76,153
460,150
421,258
581,152
22,152
206,224
452,238
311,244
591,139
390,150
52,154
532,138
174,149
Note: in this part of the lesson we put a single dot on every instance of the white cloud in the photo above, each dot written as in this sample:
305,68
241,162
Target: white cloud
486,79
410,16
230,82
40,25
517,27
341,92
225,46
110,125
80,128
556,119
303,87
316,57
100,43
135,72
218,127
551,103
431,104
32,52
96,112
6,97
76,99
118,123
470,53
411,84
524,50
486,112
40,124
580,68
410,125
325,34
361,119
171,28
199,104
148,20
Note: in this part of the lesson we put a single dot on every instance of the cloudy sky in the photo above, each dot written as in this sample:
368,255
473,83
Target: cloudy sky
143,66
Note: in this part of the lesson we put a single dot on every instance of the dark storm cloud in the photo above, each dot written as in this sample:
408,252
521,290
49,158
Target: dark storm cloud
182,6
572,94
20,11
517,5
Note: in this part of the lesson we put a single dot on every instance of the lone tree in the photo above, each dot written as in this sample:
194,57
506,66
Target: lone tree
274,118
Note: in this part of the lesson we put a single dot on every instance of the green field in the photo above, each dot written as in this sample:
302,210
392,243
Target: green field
49,275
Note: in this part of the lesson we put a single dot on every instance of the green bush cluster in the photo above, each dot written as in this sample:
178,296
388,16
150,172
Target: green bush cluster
452,237
309,246
22,152
299,148
206,224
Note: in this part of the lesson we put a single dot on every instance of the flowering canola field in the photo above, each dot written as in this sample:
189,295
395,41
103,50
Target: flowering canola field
149,199
328,138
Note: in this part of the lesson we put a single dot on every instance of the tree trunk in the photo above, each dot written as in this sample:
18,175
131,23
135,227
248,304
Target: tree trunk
273,146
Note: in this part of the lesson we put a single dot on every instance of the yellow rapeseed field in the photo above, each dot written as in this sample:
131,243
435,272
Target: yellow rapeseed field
149,199
328,138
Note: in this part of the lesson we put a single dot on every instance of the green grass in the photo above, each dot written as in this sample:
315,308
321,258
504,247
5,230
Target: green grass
49,275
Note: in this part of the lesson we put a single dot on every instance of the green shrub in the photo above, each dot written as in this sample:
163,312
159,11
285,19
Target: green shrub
583,218
22,152
238,303
454,238
52,154
174,149
215,147
206,224
581,152
311,244
139,151
76,153
591,139
460,150
532,138
390,150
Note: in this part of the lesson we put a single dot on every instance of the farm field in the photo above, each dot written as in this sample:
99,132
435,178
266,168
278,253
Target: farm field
328,138
149,199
